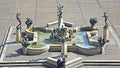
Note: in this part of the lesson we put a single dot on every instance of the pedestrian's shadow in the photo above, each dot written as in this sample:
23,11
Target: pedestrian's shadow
18,53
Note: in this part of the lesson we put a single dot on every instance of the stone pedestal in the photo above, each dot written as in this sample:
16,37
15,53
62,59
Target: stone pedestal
60,20
103,50
60,23
106,33
64,49
18,34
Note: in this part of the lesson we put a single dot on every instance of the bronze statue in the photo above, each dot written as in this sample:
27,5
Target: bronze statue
28,22
63,39
93,21
18,18
60,7
105,18
101,41
25,41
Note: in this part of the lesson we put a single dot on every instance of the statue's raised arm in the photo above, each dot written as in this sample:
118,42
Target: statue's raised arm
18,18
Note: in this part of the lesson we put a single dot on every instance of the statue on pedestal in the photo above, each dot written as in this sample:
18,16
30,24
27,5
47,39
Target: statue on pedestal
60,11
25,41
106,29
93,21
18,28
19,19
28,22
105,18
101,42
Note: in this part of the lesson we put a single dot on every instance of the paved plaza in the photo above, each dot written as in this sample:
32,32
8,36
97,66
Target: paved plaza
44,11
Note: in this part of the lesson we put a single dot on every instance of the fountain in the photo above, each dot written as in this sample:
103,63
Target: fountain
63,38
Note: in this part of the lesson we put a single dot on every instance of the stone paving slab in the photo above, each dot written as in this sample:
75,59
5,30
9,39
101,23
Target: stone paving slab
6,8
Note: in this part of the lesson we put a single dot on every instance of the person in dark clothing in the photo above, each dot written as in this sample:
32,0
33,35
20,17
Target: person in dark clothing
61,62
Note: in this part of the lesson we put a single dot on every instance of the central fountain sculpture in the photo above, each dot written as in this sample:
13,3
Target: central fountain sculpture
62,30
62,38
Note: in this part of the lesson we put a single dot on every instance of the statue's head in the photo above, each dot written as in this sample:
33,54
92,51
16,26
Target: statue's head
28,21
18,13
93,20
104,13
60,6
